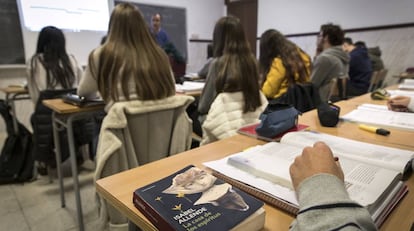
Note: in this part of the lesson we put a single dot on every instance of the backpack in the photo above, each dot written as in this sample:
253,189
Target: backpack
16,160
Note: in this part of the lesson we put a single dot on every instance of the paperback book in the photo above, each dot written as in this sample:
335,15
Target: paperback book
192,199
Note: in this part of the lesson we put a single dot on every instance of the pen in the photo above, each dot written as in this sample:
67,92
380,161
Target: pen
376,130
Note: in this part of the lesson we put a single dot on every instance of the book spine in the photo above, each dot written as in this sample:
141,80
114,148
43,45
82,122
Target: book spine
151,214
279,203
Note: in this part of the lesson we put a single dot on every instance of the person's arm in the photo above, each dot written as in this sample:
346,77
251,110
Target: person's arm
88,86
401,103
324,203
274,79
209,91
34,80
320,71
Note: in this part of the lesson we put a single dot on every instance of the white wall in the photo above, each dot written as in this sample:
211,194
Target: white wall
297,16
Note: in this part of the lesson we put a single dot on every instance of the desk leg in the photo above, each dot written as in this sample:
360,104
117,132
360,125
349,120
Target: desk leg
58,158
74,171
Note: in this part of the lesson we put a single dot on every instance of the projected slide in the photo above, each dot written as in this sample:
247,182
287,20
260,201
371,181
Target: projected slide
76,15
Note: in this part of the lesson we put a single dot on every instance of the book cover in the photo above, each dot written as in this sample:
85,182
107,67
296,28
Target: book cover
192,199
250,130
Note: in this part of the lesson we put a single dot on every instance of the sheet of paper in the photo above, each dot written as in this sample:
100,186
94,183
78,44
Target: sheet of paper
377,115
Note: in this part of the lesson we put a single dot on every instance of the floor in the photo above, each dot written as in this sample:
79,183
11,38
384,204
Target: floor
36,205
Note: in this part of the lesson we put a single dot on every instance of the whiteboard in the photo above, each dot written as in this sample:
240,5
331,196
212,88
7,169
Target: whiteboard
298,16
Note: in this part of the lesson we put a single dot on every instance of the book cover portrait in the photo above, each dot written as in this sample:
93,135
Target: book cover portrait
193,199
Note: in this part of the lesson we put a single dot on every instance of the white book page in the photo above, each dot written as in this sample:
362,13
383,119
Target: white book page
189,86
274,189
271,162
386,157
400,92
378,115
364,183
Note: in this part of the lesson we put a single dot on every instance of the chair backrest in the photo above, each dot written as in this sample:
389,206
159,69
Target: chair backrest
373,81
137,132
152,133
381,77
377,79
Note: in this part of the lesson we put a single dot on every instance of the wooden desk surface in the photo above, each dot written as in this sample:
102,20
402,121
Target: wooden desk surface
14,90
398,138
404,75
118,189
61,107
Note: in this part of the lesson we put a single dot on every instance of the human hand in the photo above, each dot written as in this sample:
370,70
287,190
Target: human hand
314,160
398,103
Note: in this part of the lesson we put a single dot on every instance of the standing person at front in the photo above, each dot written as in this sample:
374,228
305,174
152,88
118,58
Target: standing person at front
282,64
160,34
332,63
129,65
231,97
51,67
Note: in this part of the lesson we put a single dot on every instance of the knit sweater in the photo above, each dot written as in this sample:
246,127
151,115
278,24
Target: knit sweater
226,116
325,205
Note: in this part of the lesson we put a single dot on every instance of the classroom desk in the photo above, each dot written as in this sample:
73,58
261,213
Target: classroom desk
63,116
404,75
117,189
14,93
398,138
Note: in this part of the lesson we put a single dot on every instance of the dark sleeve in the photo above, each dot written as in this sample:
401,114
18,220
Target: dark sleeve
209,92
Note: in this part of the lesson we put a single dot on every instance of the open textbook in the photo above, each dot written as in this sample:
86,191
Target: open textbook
372,172
380,115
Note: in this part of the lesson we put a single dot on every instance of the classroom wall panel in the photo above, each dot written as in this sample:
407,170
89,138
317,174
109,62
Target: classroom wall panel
296,16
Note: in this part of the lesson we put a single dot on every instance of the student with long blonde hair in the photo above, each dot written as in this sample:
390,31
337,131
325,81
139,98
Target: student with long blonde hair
130,64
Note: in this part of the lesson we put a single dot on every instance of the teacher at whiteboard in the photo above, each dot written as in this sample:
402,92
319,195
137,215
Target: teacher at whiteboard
160,35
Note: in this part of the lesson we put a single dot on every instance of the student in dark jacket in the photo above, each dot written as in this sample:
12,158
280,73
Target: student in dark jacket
360,69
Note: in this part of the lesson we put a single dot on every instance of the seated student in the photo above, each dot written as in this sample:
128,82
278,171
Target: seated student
129,65
282,64
360,70
50,68
332,62
324,203
401,103
374,54
177,61
231,95
202,73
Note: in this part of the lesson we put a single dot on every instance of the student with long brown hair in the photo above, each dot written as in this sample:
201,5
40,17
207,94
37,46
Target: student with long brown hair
282,64
130,64
231,97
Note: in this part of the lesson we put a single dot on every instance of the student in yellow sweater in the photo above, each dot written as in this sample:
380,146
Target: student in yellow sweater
282,64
